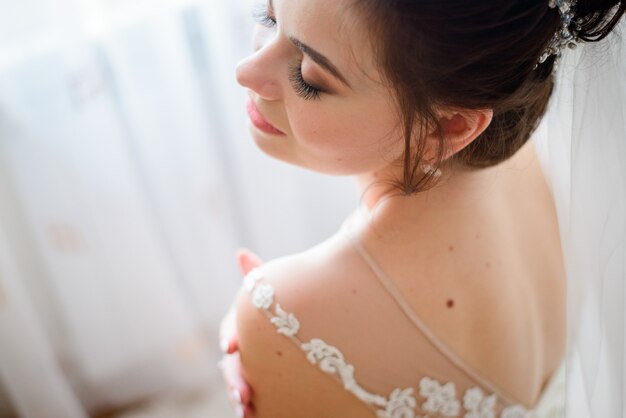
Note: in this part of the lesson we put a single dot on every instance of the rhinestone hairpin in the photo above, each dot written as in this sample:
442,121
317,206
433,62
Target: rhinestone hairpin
565,36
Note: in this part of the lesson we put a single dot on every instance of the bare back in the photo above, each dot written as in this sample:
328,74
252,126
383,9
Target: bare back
485,277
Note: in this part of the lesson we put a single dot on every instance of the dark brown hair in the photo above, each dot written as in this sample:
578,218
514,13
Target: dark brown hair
461,54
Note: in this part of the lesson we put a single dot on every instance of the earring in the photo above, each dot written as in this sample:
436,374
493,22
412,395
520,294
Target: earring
430,170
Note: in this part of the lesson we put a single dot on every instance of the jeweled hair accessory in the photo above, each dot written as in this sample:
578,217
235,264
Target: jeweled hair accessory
565,36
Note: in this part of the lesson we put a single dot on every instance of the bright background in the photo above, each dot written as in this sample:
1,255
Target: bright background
127,181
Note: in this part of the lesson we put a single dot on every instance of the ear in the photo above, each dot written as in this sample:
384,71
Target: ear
460,128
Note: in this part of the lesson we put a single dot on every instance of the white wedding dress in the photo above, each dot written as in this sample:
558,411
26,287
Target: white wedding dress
443,386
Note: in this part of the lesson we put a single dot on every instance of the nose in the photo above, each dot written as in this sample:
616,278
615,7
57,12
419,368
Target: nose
260,71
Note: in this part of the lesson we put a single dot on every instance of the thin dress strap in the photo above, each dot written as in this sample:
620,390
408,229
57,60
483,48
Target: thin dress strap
408,311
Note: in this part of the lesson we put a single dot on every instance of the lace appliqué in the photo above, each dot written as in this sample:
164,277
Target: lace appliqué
478,405
263,296
251,279
517,411
331,361
440,399
401,404
286,324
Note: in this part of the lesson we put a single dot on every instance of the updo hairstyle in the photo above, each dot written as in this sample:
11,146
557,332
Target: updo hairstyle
460,54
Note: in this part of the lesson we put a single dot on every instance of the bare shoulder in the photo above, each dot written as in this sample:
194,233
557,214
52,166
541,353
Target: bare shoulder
283,381
486,311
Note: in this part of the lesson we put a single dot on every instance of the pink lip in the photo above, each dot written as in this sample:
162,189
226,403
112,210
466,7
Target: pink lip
259,121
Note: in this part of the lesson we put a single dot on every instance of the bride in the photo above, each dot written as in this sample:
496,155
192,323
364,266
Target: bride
444,293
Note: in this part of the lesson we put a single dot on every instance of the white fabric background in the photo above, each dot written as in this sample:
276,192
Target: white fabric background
127,180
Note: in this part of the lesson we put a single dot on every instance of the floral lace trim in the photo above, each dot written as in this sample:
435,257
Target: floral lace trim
440,399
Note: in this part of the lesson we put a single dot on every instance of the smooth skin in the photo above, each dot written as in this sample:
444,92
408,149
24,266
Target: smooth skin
495,226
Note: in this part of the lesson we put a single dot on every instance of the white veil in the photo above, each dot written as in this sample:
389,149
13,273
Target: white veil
582,145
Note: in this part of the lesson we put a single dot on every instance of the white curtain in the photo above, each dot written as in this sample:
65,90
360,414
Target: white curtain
127,181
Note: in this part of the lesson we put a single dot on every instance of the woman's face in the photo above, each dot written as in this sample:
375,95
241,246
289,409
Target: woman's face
316,98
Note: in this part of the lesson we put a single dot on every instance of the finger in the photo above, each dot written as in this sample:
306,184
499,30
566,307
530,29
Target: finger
248,411
229,346
233,388
232,372
229,341
251,260
247,260
238,380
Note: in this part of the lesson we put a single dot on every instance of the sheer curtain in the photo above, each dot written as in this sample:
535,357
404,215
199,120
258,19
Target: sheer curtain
127,181
582,142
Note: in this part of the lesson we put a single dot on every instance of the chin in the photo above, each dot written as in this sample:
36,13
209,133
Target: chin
277,147
281,148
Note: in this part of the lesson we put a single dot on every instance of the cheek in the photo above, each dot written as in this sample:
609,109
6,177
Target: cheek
360,138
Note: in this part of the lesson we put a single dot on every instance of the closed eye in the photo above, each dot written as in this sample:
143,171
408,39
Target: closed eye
261,14
299,84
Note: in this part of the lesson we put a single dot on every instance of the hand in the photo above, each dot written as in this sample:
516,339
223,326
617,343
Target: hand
239,390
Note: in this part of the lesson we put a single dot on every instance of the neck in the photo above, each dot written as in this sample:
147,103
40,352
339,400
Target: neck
456,189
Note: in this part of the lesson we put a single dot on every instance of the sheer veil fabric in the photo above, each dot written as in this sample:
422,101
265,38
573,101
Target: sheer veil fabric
582,146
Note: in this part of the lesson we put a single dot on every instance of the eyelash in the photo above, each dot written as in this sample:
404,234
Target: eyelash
262,16
302,88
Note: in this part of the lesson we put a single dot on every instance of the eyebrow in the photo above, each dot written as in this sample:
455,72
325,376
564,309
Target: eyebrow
320,59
